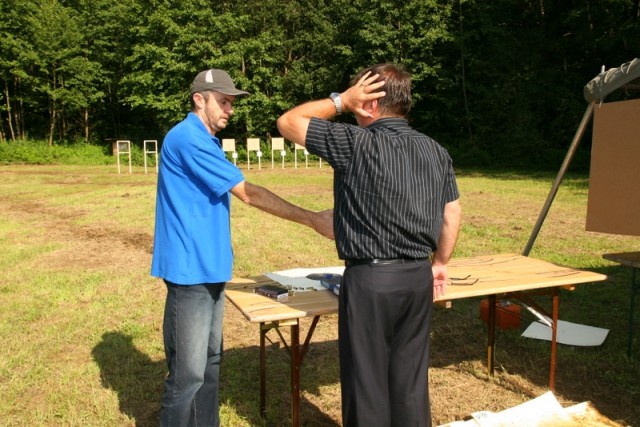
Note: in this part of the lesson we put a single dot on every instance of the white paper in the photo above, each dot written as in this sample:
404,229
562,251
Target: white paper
536,412
296,278
544,410
568,333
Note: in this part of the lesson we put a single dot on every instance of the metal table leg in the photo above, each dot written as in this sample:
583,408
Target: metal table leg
296,353
554,339
295,375
635,286
491,325
491,333
263,367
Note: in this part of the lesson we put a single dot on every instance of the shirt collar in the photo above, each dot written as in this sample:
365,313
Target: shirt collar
195,121
390,122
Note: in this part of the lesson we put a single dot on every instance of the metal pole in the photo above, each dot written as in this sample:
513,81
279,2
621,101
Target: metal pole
491,334
632,305
295,374
558,181
263,368
554,340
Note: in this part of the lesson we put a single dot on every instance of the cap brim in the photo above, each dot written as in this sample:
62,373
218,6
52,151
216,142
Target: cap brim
233,92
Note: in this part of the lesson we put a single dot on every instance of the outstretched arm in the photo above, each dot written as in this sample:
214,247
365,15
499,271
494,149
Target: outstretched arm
263,199
446,243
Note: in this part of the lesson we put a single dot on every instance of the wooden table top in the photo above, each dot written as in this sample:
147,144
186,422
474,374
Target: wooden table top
470,277
258,308
498,274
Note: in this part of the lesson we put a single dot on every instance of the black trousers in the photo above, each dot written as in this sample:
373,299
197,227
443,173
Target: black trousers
384,324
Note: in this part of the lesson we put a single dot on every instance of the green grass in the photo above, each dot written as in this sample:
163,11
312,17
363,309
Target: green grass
81,317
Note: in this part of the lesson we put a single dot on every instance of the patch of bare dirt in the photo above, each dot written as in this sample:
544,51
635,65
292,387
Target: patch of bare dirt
90,247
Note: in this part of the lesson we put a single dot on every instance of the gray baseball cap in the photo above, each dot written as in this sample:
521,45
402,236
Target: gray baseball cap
216,80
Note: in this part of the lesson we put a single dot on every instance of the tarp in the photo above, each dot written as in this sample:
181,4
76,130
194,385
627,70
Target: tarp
625,76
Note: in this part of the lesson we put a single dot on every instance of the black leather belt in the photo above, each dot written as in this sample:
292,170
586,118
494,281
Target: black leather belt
377,261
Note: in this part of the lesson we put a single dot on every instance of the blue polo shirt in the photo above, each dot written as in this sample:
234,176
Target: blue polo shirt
192,240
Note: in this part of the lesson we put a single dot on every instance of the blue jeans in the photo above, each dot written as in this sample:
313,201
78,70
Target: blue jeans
192,333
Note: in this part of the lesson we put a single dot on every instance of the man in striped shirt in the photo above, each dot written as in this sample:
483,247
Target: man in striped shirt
396,221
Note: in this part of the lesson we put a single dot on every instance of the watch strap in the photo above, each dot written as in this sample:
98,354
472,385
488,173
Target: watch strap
337,101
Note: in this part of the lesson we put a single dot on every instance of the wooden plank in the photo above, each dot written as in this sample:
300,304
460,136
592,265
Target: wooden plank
258,308
495,274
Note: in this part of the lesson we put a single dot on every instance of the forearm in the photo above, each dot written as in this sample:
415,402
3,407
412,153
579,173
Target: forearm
446,243
449,234
263,199
269,202
294,123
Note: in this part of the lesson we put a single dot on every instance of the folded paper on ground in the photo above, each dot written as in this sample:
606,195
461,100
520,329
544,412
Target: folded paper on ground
568,333
543,411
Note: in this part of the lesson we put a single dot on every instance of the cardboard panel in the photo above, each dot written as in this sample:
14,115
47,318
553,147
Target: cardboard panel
614,182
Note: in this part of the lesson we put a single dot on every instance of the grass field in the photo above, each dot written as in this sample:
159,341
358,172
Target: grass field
80,317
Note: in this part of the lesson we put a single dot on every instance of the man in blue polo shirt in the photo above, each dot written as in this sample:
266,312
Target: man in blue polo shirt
192,246
397,216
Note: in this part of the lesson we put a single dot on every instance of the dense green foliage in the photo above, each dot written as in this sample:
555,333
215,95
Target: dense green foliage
497,82
40,153
28,152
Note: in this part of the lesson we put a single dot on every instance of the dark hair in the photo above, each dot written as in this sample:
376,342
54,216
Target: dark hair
397,100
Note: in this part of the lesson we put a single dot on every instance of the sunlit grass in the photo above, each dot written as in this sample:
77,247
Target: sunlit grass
81,318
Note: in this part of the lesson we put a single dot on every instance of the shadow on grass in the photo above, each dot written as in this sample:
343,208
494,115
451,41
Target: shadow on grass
604,375
139,381
136,378
240,383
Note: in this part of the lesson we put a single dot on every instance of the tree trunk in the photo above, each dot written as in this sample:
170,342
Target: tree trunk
9,113
19,117
86,125
52,124
463,77
53,111
63,127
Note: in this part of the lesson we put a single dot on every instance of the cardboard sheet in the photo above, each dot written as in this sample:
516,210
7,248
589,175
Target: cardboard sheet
614,199
296,278
568,333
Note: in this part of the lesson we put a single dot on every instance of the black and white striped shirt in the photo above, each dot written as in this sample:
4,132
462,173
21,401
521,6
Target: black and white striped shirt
390,187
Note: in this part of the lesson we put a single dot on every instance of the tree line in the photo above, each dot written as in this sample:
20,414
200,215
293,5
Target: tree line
496,82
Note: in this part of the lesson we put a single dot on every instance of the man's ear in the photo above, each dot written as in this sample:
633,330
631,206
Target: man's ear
198,99
371,106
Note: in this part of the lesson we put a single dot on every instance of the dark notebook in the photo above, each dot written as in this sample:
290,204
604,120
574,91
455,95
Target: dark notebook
275,291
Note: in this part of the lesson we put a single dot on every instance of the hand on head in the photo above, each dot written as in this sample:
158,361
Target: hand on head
359,97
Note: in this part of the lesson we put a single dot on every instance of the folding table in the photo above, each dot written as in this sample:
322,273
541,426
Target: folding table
514,276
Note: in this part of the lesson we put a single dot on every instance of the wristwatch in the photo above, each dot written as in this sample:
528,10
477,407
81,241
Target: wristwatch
337,101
